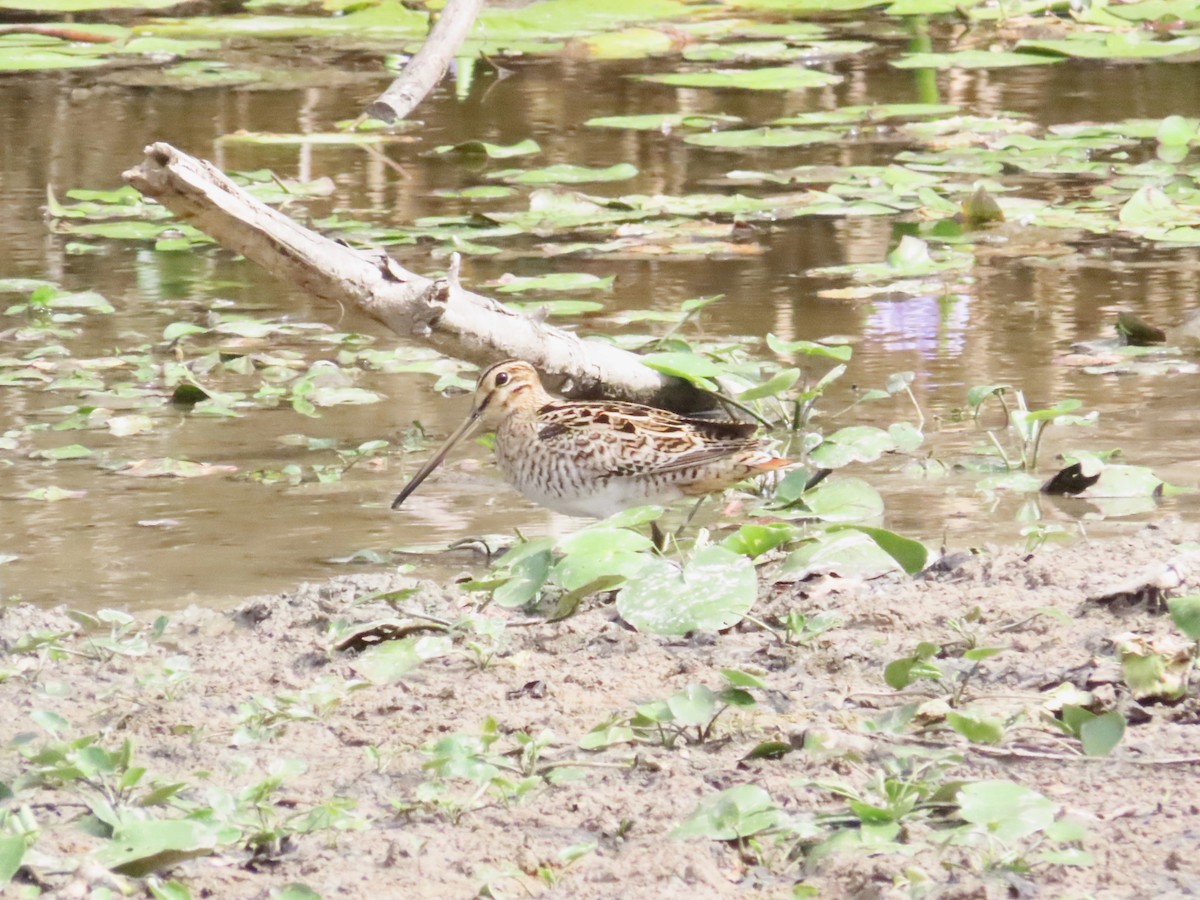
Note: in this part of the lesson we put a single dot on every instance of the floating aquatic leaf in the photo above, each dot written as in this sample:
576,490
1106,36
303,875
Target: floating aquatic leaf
477,192
690,366
1125,45
314,139
777,78
172,468
558,307
77,6
51,494
973,59
857,443
839,352
1176,131
69,451
555,281
755,138
566,173
663,121
627,43
339,396
843,500
26,59
482,149
774,51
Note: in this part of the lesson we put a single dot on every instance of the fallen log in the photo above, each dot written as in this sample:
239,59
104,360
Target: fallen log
440,313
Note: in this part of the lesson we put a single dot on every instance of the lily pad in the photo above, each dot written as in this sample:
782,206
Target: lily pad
1126,45
566,173
973,59
755,138
662,121
554,281
770,78
484,150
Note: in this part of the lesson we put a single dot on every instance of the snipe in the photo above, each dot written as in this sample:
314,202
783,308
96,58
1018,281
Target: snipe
596,458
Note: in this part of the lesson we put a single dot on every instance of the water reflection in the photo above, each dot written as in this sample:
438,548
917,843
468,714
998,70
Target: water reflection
930,326
145,542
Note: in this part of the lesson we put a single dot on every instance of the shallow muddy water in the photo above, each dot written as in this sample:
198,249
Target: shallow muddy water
140,542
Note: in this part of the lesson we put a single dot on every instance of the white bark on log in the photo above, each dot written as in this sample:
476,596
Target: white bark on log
429,64
439,313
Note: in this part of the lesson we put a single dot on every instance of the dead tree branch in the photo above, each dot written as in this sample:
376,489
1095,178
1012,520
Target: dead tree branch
429,64
440,313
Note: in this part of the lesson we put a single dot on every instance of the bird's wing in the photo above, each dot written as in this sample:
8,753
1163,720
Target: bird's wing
627,439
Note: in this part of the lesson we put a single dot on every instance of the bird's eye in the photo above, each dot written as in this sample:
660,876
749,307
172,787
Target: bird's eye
501,379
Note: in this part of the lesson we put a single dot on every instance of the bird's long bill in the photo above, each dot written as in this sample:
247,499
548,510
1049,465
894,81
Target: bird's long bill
436,460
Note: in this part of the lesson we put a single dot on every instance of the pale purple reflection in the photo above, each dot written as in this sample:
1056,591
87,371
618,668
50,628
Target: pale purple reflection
932,326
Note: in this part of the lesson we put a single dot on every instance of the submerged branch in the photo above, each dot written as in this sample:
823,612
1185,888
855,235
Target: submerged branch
439,313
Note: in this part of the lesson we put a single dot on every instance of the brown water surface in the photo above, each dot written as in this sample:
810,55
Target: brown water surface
163,542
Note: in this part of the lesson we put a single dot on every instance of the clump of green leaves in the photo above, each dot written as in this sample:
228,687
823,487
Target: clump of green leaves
690,714
469,773
1017,445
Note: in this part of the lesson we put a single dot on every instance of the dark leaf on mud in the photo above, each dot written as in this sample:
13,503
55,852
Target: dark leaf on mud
374,633
1070,481
770,750
535,690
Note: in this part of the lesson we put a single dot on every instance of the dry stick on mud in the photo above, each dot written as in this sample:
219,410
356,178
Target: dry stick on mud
428,66
439,313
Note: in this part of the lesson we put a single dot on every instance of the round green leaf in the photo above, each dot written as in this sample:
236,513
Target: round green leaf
1185,611
713,591
1008,810
734,813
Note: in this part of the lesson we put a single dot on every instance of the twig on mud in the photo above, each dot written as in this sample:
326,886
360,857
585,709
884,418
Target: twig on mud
445,623
1019,753
1014,626
765,627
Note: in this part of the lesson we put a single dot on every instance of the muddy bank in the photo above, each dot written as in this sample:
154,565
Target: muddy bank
466,773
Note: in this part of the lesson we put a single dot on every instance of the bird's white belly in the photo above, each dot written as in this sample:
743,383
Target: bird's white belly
597,501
